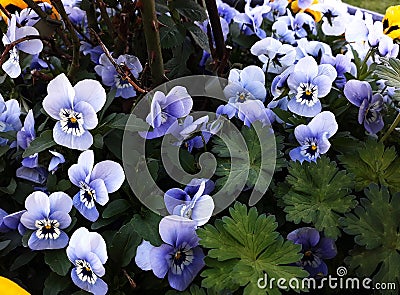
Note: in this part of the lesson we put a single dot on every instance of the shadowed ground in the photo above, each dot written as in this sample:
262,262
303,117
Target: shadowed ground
378,6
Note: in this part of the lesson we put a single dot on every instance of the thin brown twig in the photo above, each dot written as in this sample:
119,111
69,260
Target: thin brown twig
122,70
42,14
14,43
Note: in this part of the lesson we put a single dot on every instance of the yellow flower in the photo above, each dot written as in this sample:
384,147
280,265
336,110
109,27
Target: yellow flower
8,287
317,15
391,22
18,5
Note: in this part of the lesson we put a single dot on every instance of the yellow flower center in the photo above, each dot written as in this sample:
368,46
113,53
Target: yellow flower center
73,120
314,147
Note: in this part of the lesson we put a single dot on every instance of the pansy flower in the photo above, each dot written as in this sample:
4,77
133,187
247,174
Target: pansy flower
24,138
166,109
360,94
110,76
9,117
391,22
308,82
313,138
11,221
275,56
245,84
47,216
315,249
95,183
34,46
56,160
87,251
75,110
199,207
180,257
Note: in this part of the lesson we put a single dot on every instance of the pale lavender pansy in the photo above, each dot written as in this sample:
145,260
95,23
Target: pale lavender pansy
88,253
95,183
47,216
75,110
313,137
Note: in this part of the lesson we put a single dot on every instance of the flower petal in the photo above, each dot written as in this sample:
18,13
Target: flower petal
42,244
203,209
98,288
38,202
323,124
159,259
101,191
71,141
175,230
111,173
92,92
174,197
60,201
182,281
142,258
81,171
90,120
91,214
356,91
63,218
60,95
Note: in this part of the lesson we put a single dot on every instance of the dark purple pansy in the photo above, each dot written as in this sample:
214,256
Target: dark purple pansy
360,94
315,248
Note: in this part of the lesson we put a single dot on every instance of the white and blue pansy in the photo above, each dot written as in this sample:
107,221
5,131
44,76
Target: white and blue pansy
47,216
313,138
88,253
75,110
309,82
95,182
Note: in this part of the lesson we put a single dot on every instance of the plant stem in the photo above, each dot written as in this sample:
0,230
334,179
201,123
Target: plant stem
391,128
75,39
152,36
216,28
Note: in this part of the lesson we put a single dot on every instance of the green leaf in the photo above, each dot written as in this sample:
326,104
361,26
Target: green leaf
189,9
98,141
319,194
127,122
252,160
55,284
4,244
176,66
109,99
146,225
4,149
22,260
374,224
171,34
58,261
244,247
199,36
41,143
124,244
389,70
116,207
371,162
10,188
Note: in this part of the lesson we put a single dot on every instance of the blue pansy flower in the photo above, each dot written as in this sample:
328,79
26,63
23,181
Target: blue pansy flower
313,138
94,51
56,160
34,46
95,183
110,77
75,110
88,252
180,256
275,56
315,248
166,109
245,84
9,222
360,94
251,20
9,118
47,216
24,138
342,64
308,82
198,207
